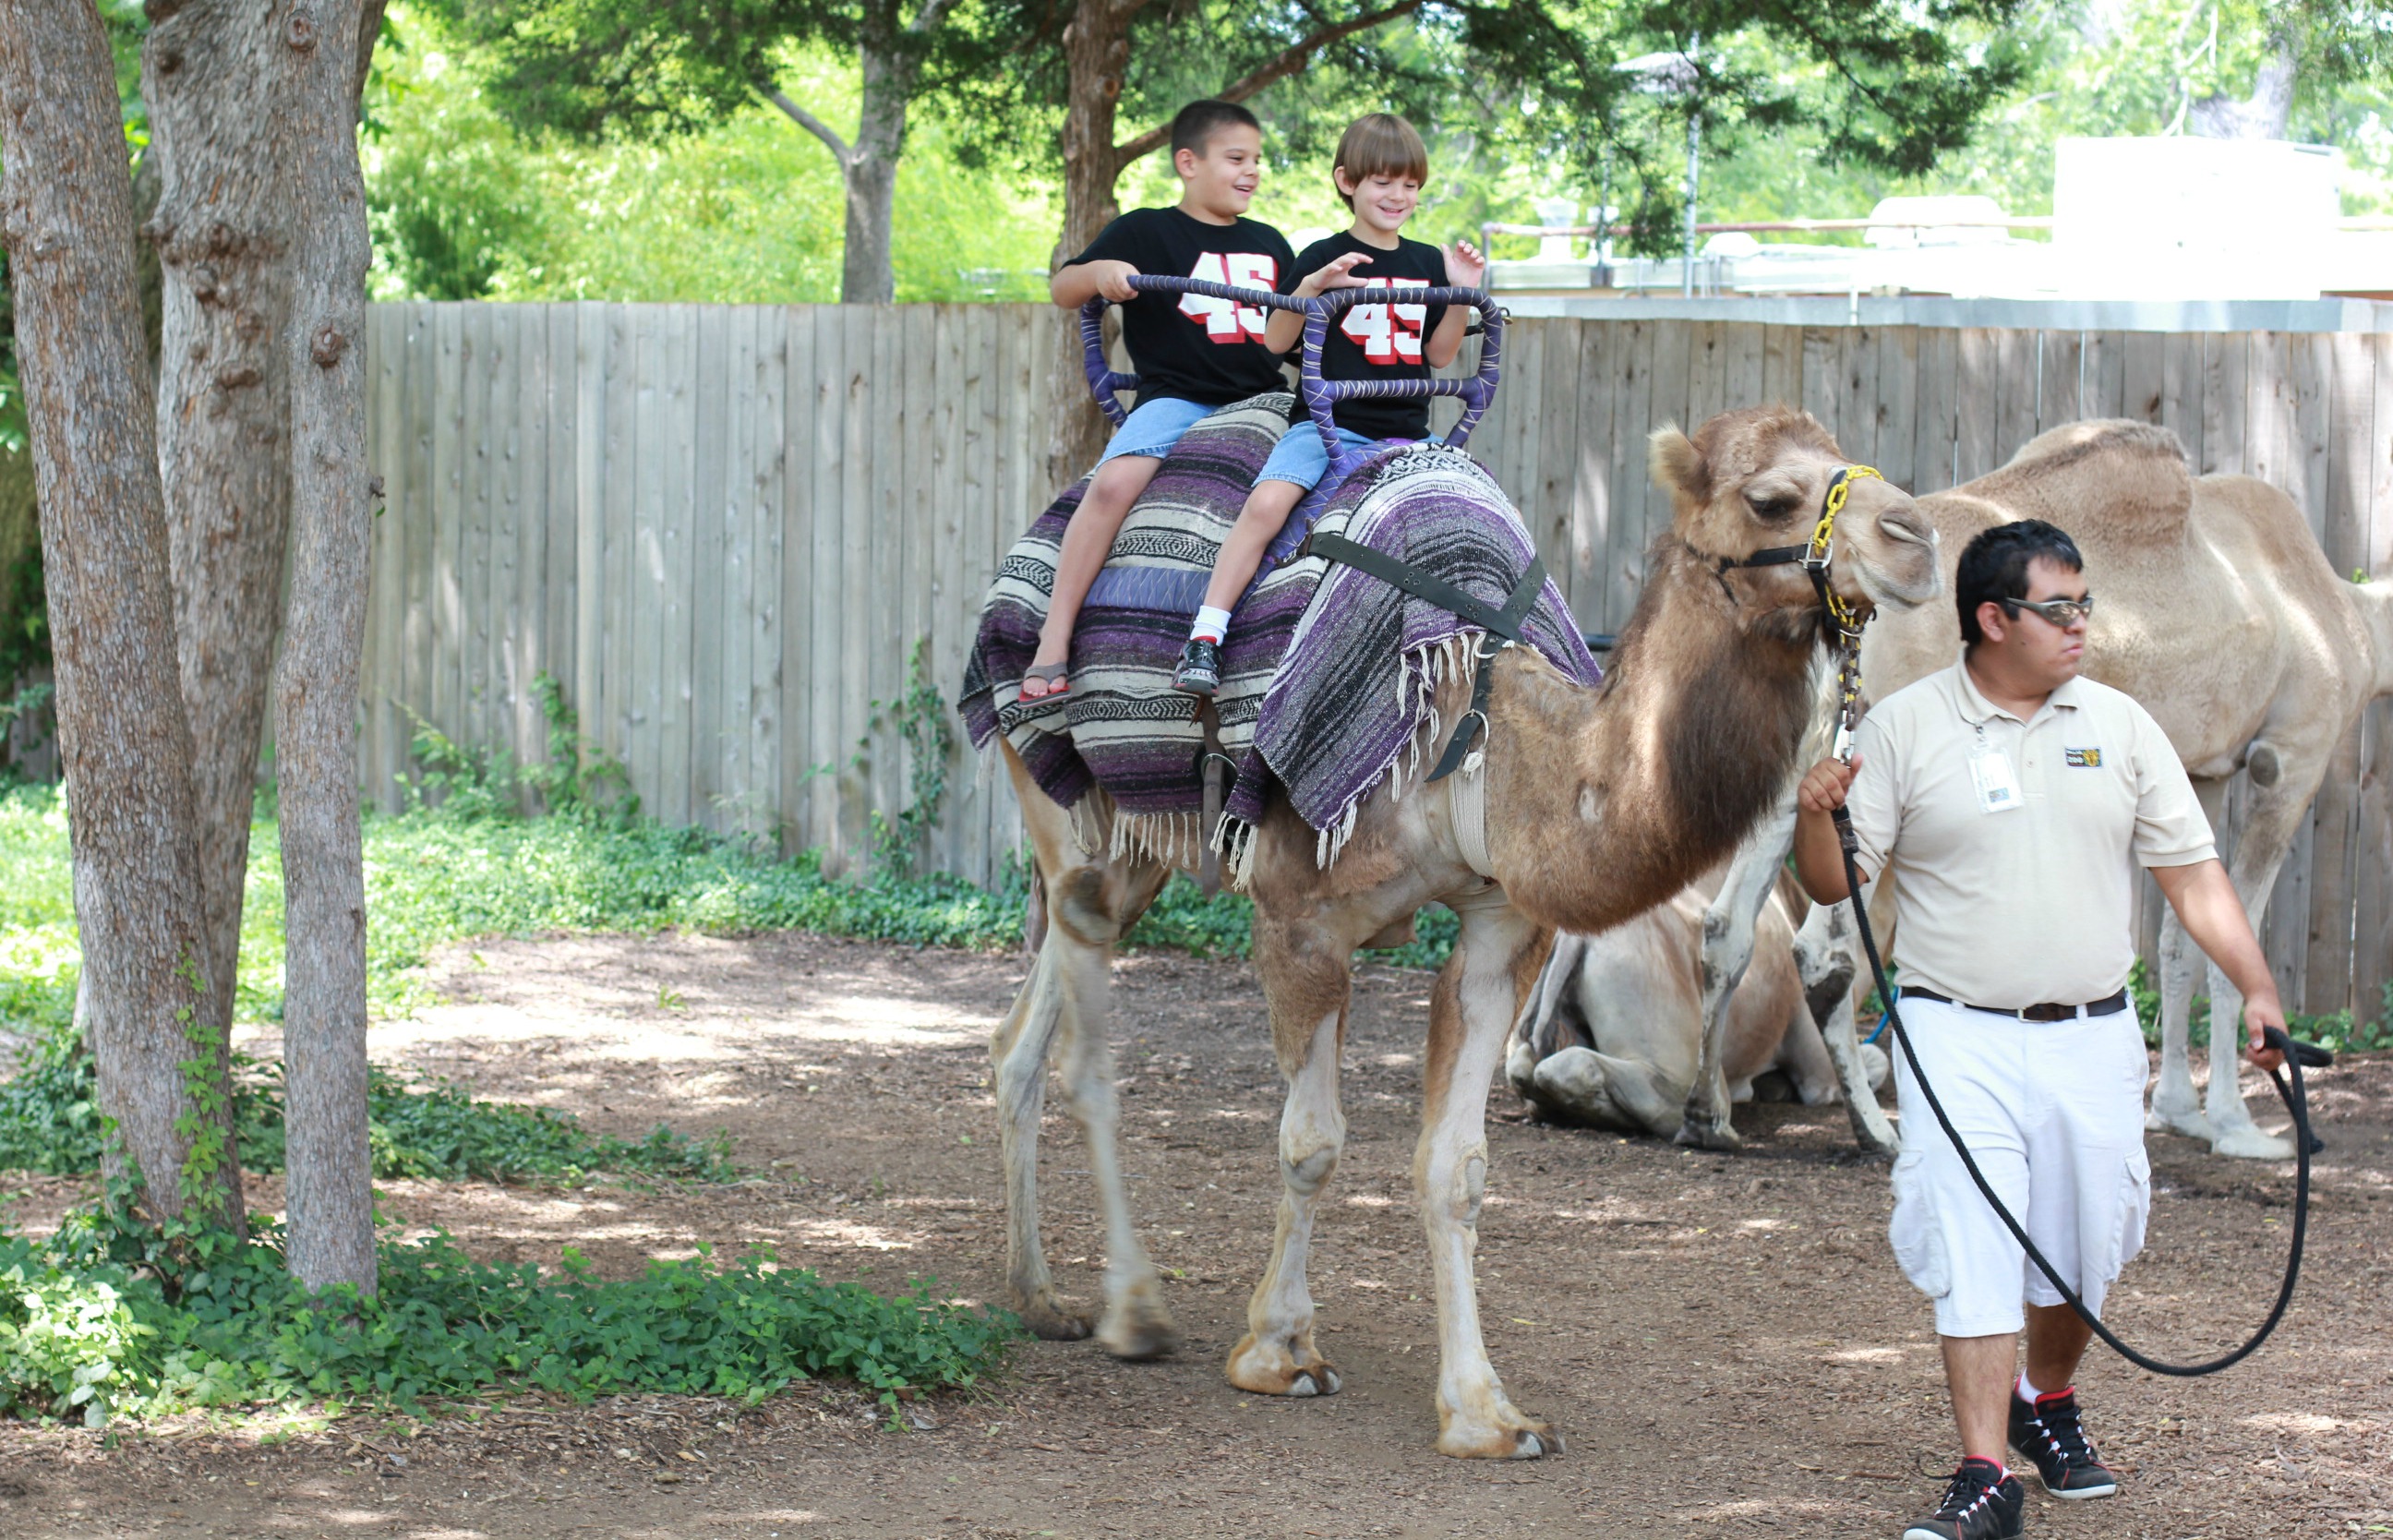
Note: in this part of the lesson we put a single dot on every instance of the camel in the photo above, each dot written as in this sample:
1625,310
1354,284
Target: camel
1597,803
1614,1035
2217,610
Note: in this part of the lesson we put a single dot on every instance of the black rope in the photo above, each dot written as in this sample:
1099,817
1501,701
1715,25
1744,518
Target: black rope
2295,1099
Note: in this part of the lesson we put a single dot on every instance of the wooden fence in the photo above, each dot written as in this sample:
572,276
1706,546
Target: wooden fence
730,532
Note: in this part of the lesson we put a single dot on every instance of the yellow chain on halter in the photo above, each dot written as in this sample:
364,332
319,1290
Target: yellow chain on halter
1848,625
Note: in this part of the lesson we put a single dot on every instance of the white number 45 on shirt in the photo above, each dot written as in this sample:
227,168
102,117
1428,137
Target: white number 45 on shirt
1222,320
1386,337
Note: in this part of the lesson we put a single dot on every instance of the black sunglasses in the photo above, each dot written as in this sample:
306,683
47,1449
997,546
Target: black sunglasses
2063,613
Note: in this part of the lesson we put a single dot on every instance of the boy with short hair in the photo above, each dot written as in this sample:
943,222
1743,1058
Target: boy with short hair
1379,171
1193,354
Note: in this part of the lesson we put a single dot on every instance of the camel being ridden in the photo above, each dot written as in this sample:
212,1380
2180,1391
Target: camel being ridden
2215,609
1594,804
1615,1033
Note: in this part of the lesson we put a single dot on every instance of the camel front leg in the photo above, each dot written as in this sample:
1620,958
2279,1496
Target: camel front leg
2272,819
1277,1357
1478,997
1019,1055
1728,950
1826,958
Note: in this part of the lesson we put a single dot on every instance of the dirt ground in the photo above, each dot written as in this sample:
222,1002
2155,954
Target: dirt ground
1724,1341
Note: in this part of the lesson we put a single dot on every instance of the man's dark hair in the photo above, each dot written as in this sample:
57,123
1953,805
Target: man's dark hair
1993,567
1199,121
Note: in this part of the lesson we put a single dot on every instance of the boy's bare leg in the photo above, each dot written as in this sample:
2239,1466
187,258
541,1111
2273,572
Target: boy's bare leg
1088,540
1265,516
1979,1372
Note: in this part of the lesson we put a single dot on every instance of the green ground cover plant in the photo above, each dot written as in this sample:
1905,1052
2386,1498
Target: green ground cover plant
113,1317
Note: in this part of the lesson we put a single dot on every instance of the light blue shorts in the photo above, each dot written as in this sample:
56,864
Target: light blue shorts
1300,457
1155,426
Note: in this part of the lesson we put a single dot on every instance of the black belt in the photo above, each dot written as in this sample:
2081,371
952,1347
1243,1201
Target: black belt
2049,1011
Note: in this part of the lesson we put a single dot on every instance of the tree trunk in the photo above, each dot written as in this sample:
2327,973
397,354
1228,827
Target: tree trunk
331,1193
2267,114
868,172
209,75
1096,52
125,744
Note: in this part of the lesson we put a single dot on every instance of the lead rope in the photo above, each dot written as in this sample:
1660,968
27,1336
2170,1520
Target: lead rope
2297,1053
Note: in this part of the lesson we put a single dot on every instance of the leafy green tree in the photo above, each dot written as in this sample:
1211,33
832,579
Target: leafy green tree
648,68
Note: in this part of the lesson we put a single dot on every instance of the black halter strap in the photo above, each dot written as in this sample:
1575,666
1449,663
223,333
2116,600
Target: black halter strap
1504,623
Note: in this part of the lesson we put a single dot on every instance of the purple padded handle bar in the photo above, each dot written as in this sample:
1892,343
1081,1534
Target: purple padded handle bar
1319,395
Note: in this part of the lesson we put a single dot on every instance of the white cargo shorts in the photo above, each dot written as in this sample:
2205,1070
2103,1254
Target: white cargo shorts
2054,1112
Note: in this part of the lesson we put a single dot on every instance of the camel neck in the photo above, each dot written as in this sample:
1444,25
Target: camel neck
1687,742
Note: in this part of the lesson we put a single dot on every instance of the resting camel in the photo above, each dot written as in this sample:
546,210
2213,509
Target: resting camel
1599,804
1613,1034
2217,610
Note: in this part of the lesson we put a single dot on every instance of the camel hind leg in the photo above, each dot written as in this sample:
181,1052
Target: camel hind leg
1729,925
1478,997
1827,958
1062,1013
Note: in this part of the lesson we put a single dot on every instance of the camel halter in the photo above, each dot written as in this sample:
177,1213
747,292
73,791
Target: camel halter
1813,556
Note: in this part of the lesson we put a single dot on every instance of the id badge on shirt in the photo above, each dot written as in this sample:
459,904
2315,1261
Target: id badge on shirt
1990,772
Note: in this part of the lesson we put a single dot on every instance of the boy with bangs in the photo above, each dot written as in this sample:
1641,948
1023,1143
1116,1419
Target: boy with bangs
1192,353
1379,171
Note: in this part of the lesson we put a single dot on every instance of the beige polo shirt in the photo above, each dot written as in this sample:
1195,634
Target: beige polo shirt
2034,904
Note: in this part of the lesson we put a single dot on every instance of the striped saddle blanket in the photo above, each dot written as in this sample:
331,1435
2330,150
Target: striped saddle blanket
1326,673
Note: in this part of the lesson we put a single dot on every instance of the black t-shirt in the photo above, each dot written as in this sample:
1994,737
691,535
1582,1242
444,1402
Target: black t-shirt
1379,342
1190,347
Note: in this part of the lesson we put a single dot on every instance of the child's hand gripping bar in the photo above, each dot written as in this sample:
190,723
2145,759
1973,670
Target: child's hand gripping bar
1320,396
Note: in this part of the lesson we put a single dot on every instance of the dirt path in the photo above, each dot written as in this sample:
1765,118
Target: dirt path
1724,1341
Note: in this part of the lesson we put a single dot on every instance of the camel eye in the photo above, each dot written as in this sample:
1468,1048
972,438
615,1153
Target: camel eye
1772,503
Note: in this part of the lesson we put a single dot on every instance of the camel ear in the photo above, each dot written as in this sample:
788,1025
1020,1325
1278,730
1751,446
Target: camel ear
1677,465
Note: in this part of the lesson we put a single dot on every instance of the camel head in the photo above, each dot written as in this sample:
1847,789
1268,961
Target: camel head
1756,478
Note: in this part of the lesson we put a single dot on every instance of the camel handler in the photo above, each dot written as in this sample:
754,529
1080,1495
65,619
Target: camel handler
2013,800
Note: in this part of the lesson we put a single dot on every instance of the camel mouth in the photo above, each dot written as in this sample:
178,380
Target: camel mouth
1903,573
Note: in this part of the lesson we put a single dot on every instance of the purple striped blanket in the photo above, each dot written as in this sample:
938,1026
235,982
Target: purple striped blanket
1326,672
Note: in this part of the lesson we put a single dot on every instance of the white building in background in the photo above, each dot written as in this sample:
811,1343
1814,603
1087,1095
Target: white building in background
2174,219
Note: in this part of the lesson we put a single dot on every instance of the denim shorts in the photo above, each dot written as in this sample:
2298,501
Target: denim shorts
1155,426
1299,455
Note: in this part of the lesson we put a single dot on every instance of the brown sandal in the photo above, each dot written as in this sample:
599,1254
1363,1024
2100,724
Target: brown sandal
1048,674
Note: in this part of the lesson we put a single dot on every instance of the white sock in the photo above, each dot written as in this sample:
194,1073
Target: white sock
2028,1392
1211,624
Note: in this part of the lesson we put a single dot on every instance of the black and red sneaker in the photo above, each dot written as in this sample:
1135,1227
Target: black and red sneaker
1200,667
1984,1502
2052,1433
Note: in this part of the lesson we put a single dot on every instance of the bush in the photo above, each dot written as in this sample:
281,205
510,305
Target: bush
114,1316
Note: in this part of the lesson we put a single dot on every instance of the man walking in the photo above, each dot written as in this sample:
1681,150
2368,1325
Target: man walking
2013,801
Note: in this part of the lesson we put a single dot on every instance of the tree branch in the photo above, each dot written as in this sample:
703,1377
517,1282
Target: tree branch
1289,61
928,16
812,124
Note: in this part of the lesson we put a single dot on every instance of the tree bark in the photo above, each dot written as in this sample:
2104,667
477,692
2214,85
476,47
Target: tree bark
330,1195
890,49
2267,114
1096,58
224,403
67,216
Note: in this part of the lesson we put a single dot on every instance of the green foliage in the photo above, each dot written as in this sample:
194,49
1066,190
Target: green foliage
921,717
116,1317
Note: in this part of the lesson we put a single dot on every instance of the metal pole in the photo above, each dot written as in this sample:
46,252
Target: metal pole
1694,154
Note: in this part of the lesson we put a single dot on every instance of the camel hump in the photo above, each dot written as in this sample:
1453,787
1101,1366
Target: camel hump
2129,476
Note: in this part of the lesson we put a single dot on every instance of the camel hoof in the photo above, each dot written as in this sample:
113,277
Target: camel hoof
2194,1125
1708,1136
1138,1327
2249,1143
1051,1322
1270,1374
1533,1442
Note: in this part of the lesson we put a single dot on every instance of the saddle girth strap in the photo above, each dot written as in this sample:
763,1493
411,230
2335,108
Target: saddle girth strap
1504,623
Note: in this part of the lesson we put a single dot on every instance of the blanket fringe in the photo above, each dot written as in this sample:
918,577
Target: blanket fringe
1088,826
1173,838
1234,841
1427,668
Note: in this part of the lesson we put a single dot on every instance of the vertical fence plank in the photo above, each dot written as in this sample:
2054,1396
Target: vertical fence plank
761,702
628,404
1975,397
447,512
2105,374
420,528
1936,428
1822,385
396,460
1782,366
500,561
1597,448
1857,412
2266,406
2059,361
644,659
589,525
677,520
2183,384
525,648
2142,355
1707,378
2327,966
1632,416
1668,378
2311,365
799,400
1897,408
2018,374
714,550
561,514
2225,358
2372,900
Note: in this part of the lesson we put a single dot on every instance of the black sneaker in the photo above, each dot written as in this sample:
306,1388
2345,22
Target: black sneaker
1200,667
1985,1502
2052,1433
